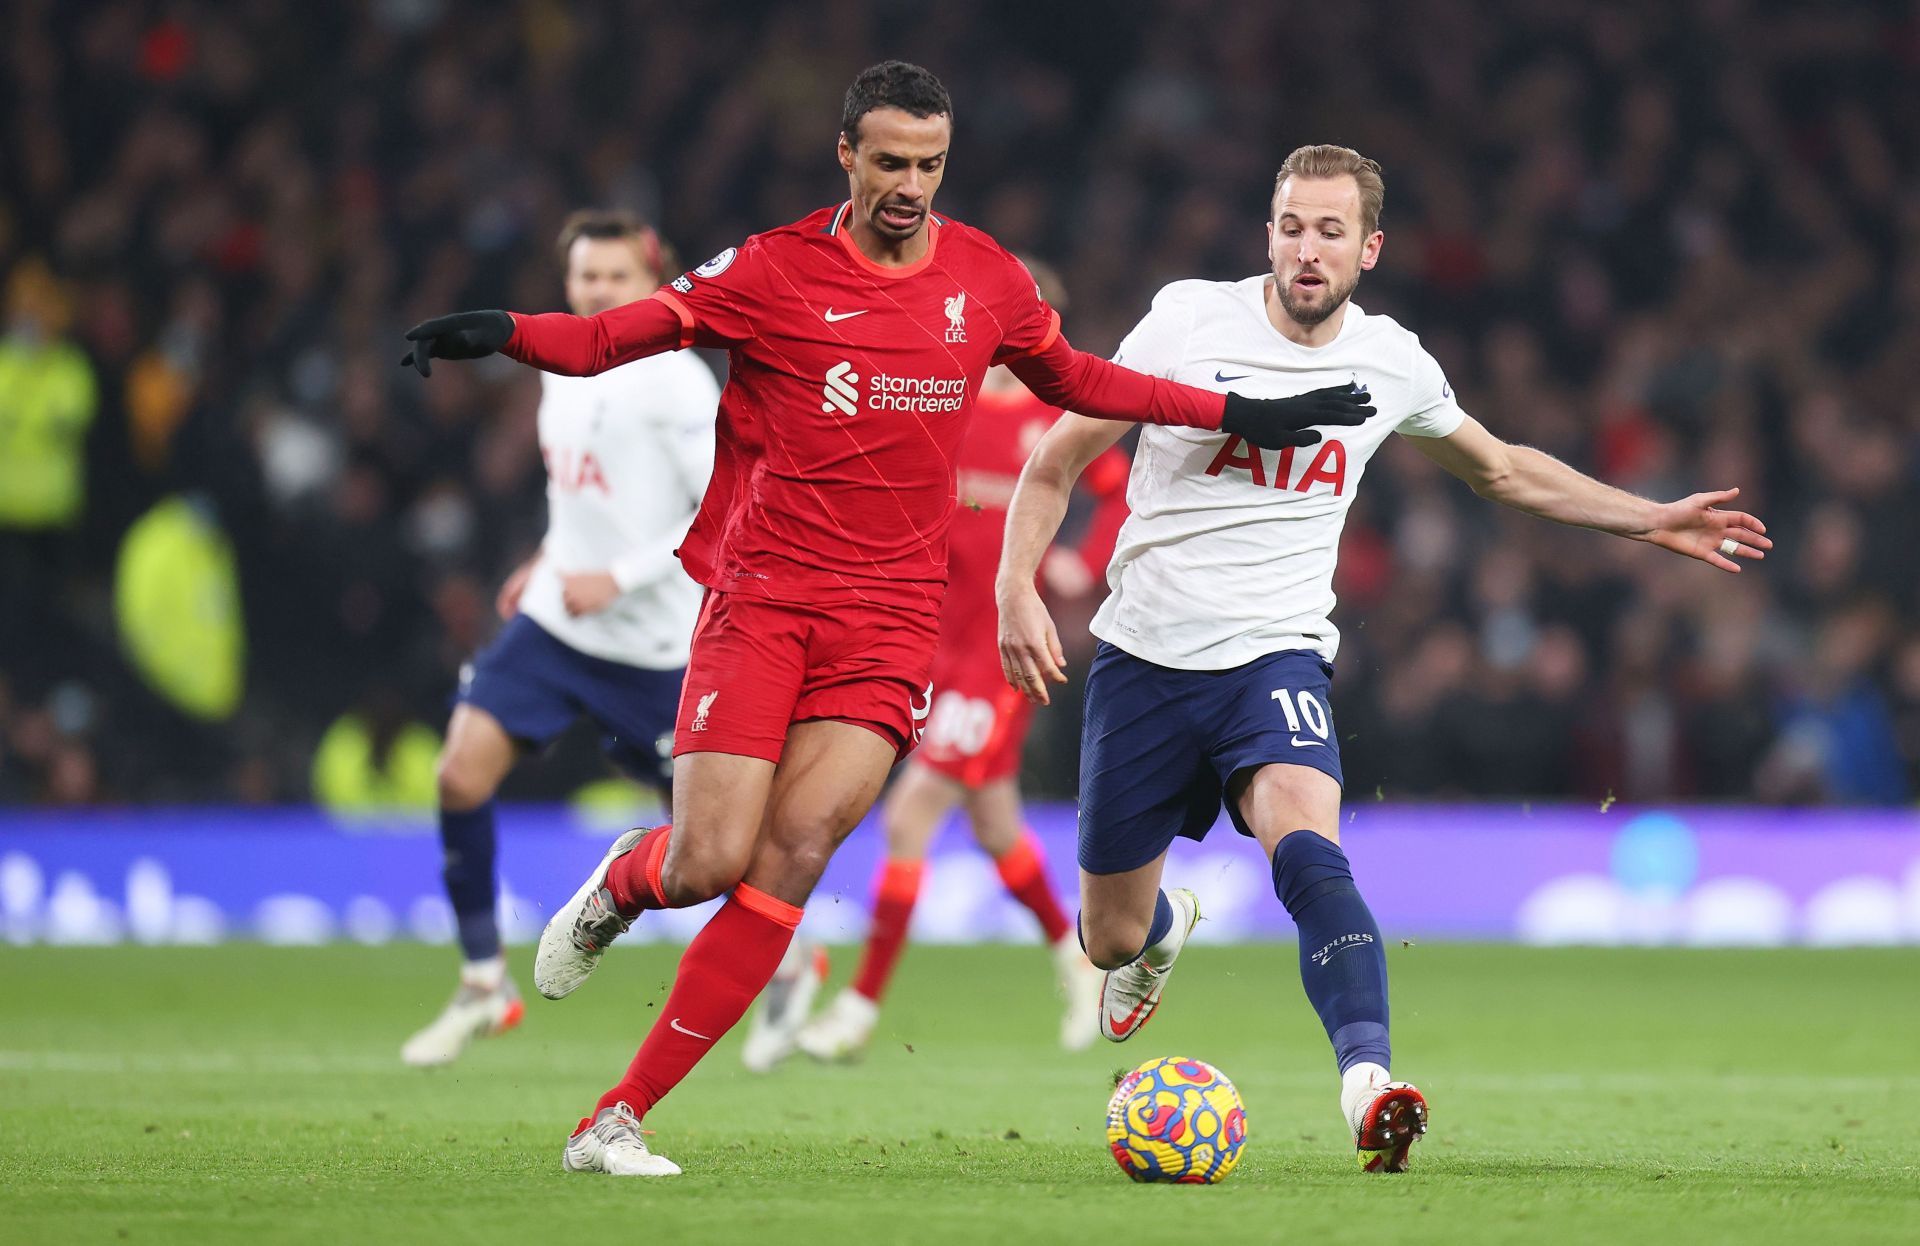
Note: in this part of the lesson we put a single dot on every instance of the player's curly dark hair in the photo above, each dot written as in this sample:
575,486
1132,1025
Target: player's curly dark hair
893,84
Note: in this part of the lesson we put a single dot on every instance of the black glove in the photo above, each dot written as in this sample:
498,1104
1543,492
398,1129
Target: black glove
463,335
1277,422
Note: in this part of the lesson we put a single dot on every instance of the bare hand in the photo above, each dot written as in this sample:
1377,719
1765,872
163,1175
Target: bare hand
1030,653
587,592
1695,526
507,604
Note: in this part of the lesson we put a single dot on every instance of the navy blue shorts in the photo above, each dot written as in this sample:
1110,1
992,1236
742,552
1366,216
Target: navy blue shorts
1159,745
536,686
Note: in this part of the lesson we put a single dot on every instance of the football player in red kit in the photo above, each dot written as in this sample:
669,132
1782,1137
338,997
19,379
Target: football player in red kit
857,338
970,753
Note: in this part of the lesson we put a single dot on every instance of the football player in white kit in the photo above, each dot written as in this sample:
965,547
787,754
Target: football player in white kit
598,621
1217,646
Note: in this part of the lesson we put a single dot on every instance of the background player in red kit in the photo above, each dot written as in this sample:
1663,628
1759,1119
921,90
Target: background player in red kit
857,338
970,753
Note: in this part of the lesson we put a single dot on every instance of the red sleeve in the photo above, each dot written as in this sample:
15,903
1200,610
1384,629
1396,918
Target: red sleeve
726,301
1106,479
589,345
714,305
1089,385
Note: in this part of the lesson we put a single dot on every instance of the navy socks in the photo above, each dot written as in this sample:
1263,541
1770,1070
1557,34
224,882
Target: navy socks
467,840
1162,921
1343,964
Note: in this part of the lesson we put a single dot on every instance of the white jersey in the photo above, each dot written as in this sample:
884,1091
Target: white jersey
1229,552
628,455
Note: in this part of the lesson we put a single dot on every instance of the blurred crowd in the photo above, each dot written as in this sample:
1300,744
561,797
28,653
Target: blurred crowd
1675,245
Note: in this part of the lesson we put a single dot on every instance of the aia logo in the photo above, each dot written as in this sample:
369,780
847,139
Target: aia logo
1329,465
700,709
574,471
957,317
842,391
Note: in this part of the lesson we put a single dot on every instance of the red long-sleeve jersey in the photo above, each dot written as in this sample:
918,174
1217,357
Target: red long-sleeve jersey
849,395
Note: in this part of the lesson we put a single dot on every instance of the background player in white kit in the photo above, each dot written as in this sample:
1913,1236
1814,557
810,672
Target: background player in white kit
599,620
1217,644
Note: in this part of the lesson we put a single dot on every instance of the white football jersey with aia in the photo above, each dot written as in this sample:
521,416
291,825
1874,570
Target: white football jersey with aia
628,455
1229,552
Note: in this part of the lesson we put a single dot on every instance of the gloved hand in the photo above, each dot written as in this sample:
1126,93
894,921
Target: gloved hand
1276,422
463,335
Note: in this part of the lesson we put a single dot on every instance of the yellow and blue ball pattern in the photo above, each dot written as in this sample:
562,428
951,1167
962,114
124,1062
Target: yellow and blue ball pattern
1176,1119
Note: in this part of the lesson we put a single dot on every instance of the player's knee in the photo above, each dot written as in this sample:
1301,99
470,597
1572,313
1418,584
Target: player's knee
1112,946
461,784
904,840
801,865
697,881
797,855
995,838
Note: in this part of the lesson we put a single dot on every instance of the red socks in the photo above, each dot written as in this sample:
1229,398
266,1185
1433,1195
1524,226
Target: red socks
1024,871
721,973
895,893
735,955
634,877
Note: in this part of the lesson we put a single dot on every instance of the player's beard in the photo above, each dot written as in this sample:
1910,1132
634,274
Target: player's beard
1316,313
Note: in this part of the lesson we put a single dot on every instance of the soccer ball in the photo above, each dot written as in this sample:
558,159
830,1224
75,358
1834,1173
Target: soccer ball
1176,1119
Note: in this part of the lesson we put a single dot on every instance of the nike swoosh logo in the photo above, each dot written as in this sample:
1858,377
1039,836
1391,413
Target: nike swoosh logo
675,1023
834,316
1223,378
1125,1025
1297,742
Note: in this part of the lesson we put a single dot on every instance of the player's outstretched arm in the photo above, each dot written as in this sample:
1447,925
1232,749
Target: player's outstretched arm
1539,484
554,342
1030,653
1093,386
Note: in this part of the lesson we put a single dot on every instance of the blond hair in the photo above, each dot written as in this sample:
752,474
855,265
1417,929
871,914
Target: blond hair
1322,160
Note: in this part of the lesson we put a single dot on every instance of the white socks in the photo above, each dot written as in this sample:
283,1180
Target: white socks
1356,1086
485,975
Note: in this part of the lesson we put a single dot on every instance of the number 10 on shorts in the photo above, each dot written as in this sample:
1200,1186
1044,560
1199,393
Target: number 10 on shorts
1302,707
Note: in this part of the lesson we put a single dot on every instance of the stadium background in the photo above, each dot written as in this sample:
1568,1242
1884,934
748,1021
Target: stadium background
1678,246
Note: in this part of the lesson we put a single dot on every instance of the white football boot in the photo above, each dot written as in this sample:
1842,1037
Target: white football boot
1130,994
1386,1117
843,1030
784,1005
486,1003
1080,983
581,929
613,1145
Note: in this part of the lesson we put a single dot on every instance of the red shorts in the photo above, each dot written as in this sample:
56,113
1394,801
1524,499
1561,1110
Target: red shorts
759,666
979,724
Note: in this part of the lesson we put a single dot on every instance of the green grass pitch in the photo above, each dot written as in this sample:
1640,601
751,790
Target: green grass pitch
253,1095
